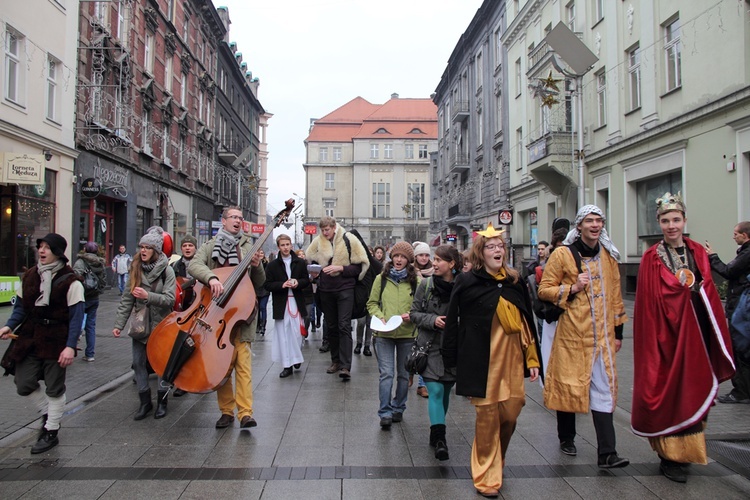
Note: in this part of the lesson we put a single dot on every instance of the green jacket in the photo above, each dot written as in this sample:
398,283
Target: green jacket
396,300
201,267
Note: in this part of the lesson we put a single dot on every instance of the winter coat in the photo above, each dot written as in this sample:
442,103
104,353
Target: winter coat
201,266
322,251
90,261
275,278
160,299
424,311
396,300
121,263
736,272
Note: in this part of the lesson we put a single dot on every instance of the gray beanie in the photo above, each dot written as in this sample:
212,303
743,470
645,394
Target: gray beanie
154,238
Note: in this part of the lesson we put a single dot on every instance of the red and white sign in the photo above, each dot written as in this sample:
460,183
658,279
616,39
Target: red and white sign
506,217
258,228
311,229
451,237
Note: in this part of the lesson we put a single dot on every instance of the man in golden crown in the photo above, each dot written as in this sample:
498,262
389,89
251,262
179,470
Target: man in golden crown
681,345
582,373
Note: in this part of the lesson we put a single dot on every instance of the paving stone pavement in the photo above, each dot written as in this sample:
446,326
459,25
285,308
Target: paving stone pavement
318,437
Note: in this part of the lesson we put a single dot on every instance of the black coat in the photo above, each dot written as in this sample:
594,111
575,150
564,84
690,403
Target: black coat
466,338
735,272
275,278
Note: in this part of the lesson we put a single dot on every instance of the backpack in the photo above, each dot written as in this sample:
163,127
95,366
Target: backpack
363,286
91,282
544,310
428,292
740,321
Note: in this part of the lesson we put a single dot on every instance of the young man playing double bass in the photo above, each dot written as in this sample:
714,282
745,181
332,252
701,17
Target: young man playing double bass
227,249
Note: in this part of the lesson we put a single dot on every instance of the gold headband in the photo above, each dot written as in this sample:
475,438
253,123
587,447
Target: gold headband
490,232
670,202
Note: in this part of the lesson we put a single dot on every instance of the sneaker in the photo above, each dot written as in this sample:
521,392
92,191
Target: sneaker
345,374
732,399
569,448
385,423
673,471
88,358
224,421
612,461
397,416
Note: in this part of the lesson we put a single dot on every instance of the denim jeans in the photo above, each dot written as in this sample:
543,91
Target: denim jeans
262,306
122,279
140,367
390,351
90,326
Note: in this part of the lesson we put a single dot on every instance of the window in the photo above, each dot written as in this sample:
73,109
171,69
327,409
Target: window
170,10
52,70
209,116
673,55
634,77
570,12
14,45
498,113
183,90
336,153
498,47
519,77
409,151
330,180
146,131
323,154
201,99
122,23
328,206
416,193
599,10
478,74
423,151
480,129
519,148
381,200
168,72
165,144
148,54
181,154
516,7
100,12
374,149
647,191
388,151
601,97
186,29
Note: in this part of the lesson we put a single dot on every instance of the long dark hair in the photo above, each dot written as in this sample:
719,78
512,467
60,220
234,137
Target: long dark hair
411,273
449,253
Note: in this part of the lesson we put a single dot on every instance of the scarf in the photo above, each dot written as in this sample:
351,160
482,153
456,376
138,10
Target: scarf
45,287
397,276
442,288
508,314
225,248
604,239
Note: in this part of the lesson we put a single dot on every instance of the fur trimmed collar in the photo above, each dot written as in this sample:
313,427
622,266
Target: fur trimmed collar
322,252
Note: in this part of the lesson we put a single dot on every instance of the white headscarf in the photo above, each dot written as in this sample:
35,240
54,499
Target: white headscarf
604,239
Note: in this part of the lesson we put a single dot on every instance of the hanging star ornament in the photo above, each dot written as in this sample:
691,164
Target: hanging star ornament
551,83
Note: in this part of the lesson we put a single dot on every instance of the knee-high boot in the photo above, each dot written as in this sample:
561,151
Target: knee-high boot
441,446
146,405
161,404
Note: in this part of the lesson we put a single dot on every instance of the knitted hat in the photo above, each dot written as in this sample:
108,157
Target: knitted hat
56,243
189,239
91,247
154,238
421,247
560,222
403,248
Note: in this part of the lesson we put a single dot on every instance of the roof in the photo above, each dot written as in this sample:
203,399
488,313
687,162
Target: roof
361,119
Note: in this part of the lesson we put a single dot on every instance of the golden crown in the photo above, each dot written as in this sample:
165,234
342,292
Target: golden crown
490,232
670,202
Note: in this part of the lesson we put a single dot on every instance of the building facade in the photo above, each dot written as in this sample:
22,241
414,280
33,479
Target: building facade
37,150
368,165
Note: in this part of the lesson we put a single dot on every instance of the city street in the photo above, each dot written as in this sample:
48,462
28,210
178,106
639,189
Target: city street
319,438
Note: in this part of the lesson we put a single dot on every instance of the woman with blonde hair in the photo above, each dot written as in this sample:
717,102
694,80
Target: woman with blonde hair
148,297
490,324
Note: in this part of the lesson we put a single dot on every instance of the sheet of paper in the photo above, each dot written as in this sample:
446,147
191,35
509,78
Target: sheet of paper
392,323
314,268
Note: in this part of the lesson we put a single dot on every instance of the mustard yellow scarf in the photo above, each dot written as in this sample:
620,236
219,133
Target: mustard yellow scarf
508,314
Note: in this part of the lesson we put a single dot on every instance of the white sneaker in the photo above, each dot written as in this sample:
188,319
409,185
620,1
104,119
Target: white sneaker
89,359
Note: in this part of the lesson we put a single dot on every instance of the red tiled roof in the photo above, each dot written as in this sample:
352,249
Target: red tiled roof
360,119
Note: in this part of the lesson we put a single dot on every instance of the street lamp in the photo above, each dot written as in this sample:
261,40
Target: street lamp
580,59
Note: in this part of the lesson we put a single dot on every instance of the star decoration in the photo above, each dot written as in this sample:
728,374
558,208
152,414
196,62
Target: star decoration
551,83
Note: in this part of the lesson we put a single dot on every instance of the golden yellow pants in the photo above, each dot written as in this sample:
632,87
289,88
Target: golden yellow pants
494,427
242,398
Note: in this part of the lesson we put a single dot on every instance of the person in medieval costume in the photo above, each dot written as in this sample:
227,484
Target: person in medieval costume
682,347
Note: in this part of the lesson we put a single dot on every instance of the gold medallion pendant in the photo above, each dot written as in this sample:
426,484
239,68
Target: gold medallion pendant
685,277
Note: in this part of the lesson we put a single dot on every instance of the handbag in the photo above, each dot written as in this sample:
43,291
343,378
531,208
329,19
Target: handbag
416,361
137,325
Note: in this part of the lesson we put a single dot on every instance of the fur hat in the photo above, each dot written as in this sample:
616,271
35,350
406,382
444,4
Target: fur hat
405,249
421,247
189,239
56,243
154,238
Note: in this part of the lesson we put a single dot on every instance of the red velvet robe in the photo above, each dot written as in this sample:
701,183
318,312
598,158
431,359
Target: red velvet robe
675,377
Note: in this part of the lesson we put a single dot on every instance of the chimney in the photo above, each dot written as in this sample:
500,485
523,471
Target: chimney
394,96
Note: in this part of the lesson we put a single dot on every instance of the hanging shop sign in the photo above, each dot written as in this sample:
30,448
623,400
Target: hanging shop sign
506,217
22,169
91,187
451,237
311,229
258,228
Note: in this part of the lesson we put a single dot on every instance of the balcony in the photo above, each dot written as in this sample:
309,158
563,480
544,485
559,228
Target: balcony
460,204
459,163
229,151
460,111
551,161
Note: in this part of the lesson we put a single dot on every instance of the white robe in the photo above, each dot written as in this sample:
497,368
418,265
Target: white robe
285,348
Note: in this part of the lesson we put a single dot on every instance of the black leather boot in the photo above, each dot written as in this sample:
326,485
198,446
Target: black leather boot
146,405
441,447
161,404
46,441
433,435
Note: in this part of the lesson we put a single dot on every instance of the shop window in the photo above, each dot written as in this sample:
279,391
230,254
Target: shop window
647,192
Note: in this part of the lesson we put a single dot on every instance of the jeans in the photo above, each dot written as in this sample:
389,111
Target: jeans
262,303
90,326
337,308
140,367
385,349
121,280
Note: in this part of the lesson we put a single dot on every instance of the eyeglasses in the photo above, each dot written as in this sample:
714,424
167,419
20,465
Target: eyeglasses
236,217
494,247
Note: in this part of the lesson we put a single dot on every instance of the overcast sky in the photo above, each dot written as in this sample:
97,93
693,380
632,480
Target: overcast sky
312,56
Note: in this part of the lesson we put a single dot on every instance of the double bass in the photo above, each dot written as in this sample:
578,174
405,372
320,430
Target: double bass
192,349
